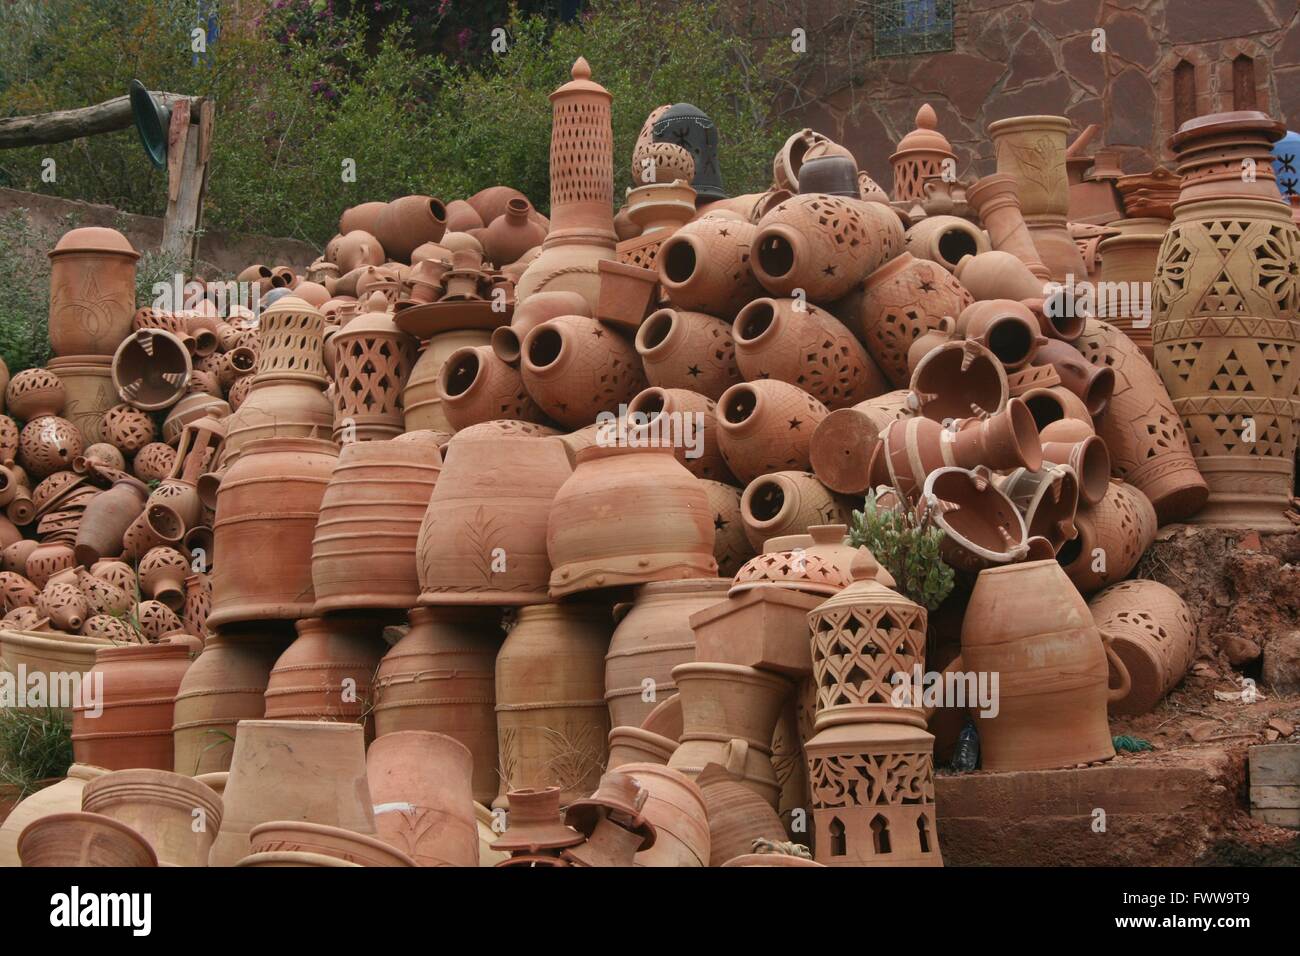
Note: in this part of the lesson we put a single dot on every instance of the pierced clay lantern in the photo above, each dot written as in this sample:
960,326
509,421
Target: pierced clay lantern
374,360
921,155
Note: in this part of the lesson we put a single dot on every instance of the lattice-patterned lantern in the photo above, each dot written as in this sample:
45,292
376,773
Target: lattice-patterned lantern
690,128
582,192
291,341
871,763
1224,334
921,155
374,360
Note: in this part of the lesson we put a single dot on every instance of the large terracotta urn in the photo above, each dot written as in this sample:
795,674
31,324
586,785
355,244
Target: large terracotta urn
582,192
1028,624
1032,150
1224,318
440,678
326,673
267,508
652,637
420,783
552,722
92,291
1153,634
177,814
625,516
483,539
370,516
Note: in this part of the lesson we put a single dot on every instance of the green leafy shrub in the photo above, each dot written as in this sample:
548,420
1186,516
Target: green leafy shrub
35,745
25,291
907,546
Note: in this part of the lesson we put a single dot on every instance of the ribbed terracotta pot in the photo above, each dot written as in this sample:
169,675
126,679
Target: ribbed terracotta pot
267,508
92,291
421,403
1028,623
177,814
1131,258
305,770
483,539
652,637
574,369
277,407
440,678
766,426
225,684
61,797
691,350
676,808
88,380
420,783
552,723
83,840
140,682
664,528
737,815
370,517
1154,635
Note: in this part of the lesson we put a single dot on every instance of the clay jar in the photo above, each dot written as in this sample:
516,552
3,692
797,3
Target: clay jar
552,722
628,516
354,250
88,381
998,275
981,526
507,341
652,637
162,807
421,400
1094,384
994,199
409,222
823,244
676,807
492,493
440,678
690,350
475,385
47,445
1071,442
959,380
224,685
305,770
945,240
842,445
1143,433
1152,632
83,840
1029,624
737,815
106,518
793,341
1122,525
705,266
139,689
766,426
267,507
420,783
510,235
786,502
92,291
901,301
1005,327
151,369
574,368
370,516
325,674
58,798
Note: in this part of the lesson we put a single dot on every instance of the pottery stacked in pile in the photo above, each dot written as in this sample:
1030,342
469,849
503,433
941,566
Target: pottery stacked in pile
516,527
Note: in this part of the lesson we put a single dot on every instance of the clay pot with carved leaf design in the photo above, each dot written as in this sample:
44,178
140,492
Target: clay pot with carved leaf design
420,783
92,291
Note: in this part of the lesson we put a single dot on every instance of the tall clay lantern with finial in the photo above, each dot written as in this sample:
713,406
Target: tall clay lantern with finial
871,763
582,192
373,361
921,155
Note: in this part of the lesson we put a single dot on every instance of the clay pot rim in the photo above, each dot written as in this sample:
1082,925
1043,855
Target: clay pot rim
783,483
1015,549
125,651
652,322
71,363
780,232
58,820
300,857
771,306
371,843
681,586
667,259
455,364
445,741
1059,123
743,673
288,443
156,786
1212,124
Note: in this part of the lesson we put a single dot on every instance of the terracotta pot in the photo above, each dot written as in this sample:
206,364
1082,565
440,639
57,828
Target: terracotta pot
651,639
177,815
440,678
106,519
408,222
420,783
474,385
1143,433
981,526
785,503
998,275
508,236
1235,395
421,402
842,445
371,512
312,771
139,690
923,154
153,462
46,560
46,655
737,815
151,369
225,684
1094,384
47,445
995,199
88,384
1005,327
267,508
676,808
92,291
61,798
1028,623
731,547
902,300
634,745
552,724
305,837
766,426
129,429
1048,499
1054,404
958,380
325,674
83,839
627,293
1128,262
277,408
156,526
1070,442
1119,529
1032,150
688,350
824,245
16,591
724,701
574,369
492,494
664,530
685,420
490,203
793,341
374,358
162,576
1152,632
361,216
297,858
289,344
64,605
945,240
705,266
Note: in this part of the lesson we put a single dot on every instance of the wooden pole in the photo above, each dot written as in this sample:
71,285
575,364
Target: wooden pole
189,146
62,125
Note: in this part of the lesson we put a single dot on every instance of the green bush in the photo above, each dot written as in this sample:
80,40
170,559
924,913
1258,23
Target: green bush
35,745
25,291
907,546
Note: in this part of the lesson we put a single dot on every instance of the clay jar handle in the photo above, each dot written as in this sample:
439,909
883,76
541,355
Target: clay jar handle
736,755
621,609
1116,694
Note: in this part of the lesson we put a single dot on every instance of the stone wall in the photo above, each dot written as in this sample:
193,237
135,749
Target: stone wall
1018,57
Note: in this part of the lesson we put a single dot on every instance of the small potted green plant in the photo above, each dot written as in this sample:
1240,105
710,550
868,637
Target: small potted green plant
907,546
